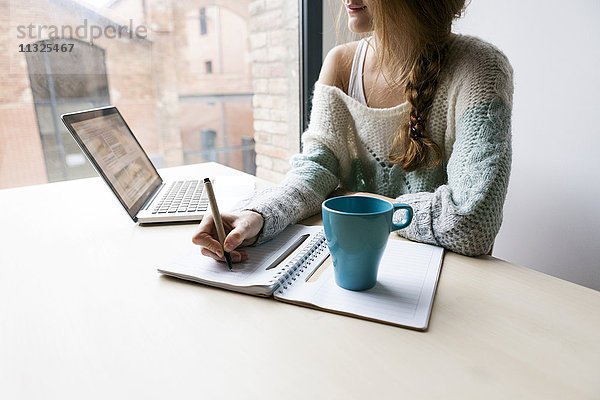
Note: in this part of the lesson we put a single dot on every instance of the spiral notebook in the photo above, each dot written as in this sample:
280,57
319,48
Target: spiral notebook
403,295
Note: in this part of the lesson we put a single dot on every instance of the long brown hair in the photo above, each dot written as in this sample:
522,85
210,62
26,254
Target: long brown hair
413,40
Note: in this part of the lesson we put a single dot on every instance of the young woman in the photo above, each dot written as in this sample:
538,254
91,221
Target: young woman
413,113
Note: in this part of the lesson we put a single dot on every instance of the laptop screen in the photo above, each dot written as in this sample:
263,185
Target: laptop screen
116,154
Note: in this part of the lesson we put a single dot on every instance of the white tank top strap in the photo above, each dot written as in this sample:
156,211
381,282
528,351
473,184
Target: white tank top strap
355,85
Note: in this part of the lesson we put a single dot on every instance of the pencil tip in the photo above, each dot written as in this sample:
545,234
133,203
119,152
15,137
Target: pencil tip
228,259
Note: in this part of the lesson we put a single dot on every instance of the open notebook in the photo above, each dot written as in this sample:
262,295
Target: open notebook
403,295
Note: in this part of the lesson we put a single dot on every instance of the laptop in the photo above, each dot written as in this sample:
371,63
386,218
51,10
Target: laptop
117,156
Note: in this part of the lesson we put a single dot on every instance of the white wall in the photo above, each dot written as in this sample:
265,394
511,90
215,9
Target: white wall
552,212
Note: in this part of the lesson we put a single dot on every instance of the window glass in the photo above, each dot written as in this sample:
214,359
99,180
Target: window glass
181,74
61,84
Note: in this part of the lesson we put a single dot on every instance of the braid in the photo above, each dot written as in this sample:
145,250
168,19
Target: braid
411,147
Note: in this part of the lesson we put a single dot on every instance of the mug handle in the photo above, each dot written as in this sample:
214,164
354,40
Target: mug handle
407,220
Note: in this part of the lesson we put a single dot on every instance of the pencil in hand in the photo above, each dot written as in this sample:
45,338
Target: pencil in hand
214,208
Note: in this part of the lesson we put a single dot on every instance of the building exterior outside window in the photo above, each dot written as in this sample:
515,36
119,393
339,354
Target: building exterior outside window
62,83
203,21
237,80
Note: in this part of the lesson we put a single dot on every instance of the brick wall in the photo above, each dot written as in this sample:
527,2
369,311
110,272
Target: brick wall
275,56
146,77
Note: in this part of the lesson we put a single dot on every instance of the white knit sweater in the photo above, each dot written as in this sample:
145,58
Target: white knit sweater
457,205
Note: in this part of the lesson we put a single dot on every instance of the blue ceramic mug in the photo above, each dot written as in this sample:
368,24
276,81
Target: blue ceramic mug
357,230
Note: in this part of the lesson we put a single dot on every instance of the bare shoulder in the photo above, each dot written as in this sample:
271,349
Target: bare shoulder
337,64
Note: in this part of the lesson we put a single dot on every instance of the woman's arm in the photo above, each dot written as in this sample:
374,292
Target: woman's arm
465,215
315,172
313,176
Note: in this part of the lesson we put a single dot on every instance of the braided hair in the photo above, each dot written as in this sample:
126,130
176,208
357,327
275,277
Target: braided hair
413,38
411,147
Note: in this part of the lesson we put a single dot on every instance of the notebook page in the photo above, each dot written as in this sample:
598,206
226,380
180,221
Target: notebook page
192,265
403,295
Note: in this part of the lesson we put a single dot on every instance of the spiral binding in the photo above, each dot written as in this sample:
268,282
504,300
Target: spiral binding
297,265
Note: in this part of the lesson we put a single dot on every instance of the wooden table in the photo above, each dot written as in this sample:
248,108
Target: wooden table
85,315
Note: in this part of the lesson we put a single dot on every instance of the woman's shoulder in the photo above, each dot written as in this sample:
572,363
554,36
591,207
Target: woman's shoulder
473,56
336,67
477,66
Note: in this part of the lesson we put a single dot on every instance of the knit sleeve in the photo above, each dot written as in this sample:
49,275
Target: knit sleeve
465,214
314,175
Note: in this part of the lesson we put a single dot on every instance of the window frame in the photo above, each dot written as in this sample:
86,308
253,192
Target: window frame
311,54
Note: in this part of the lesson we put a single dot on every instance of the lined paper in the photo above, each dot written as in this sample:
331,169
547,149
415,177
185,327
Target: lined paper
249,276
403,295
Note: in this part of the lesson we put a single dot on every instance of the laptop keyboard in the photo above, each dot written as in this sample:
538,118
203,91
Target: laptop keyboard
181,197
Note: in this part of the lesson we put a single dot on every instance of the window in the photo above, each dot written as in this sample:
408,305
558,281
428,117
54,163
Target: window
312,49
62,83
203,21
230,94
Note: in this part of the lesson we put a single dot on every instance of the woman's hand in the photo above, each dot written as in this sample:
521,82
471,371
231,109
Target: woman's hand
242,229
